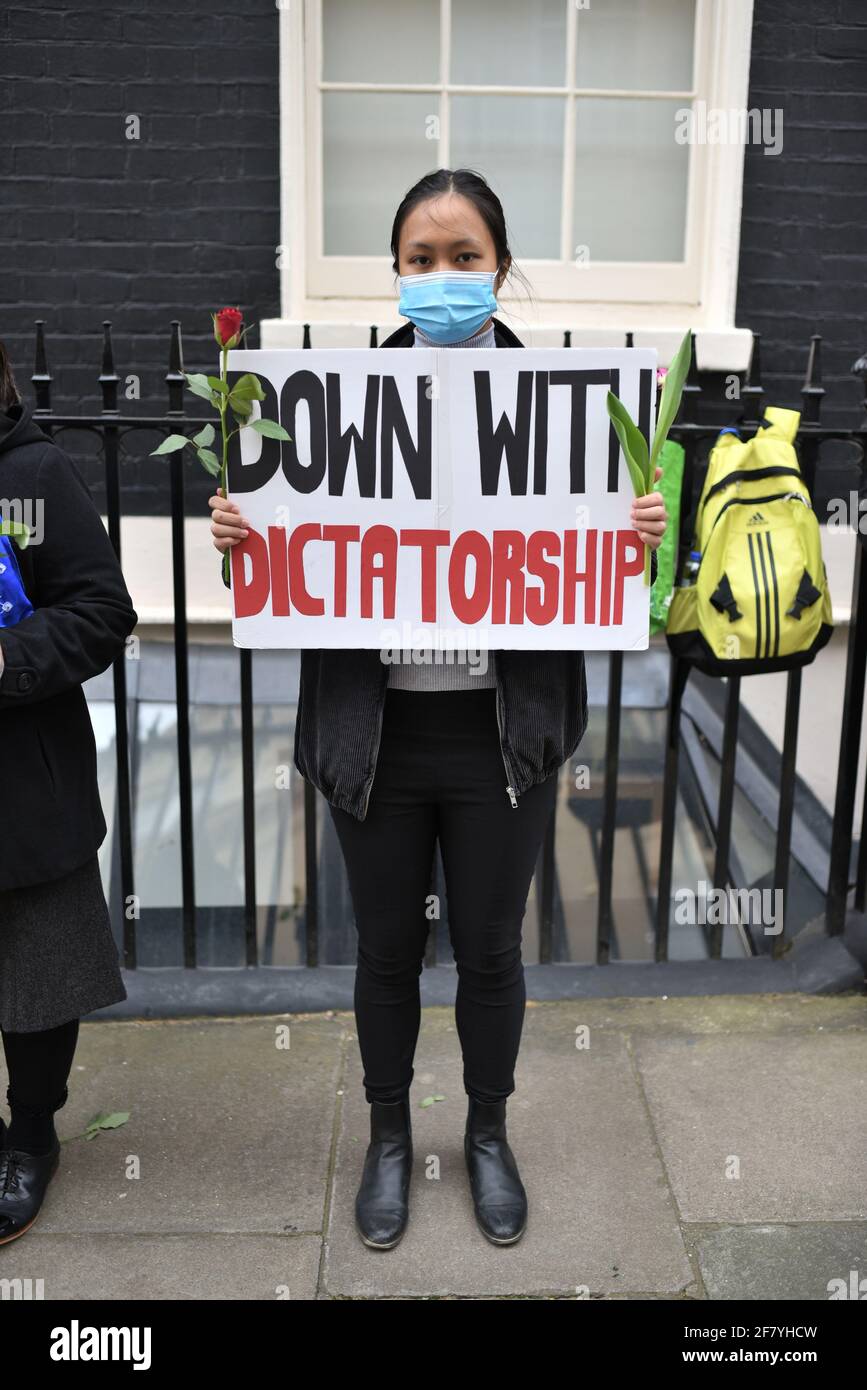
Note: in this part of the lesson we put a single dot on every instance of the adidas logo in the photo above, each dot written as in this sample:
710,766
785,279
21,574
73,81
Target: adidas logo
755,519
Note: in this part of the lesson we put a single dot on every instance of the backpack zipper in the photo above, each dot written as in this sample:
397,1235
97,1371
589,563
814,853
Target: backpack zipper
739,474
752,502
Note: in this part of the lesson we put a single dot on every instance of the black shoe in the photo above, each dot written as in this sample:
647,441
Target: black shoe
24,1178
498,1194
382,1202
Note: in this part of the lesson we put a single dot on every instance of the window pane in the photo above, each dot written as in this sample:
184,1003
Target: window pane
636,44
380,41
517,143
506,42
630,180
375,147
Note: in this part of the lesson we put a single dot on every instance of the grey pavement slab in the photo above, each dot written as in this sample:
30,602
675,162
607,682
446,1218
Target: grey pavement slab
229,1132
804,1261
761,1127
601,1216
264,1268
625,1114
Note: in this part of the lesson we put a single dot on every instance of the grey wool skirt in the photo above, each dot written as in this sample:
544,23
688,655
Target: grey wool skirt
58,958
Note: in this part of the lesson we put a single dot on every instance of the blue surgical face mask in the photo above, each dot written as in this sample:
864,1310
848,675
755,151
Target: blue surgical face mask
448,305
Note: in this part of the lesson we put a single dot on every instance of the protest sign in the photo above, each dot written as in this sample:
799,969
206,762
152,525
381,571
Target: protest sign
435,498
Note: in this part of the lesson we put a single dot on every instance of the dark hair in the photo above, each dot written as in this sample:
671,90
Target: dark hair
8,390
472,185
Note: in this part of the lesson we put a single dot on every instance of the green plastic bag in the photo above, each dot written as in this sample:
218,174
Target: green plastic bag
671,463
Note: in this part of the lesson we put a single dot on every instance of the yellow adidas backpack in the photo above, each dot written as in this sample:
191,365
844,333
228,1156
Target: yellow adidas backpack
757,598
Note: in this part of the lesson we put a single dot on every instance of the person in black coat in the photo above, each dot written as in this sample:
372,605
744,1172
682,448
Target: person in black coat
409,752
65,614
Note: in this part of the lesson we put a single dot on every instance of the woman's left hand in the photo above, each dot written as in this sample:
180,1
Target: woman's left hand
649,516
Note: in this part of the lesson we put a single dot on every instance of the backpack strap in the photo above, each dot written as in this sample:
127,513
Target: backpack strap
807,594
723,600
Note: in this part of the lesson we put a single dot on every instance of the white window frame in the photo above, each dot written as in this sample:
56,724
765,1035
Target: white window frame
700,290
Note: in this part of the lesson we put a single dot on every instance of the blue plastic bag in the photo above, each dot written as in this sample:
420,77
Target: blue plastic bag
14,603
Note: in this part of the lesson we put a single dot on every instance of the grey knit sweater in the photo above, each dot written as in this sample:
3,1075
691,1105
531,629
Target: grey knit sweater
424,668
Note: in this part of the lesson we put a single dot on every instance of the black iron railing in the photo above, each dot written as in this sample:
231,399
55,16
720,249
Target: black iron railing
111,428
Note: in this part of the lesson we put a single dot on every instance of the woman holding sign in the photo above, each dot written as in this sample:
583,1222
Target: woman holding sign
428,751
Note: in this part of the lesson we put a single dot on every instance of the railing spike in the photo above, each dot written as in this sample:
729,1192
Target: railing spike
752,390
859,368
305,341
41,377
374,341
754,370
567,337
108,378
630,338
175,373
814,361
812,391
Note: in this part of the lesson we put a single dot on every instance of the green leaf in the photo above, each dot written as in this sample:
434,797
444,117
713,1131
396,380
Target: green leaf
239,405
248,387
209,460
270,429
203,390
637,442
632,442
218,384
105,1121
205,436
171,444
672,391
201,385
240,420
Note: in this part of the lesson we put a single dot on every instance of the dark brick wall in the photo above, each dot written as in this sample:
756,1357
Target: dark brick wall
170,226
187,217
803,261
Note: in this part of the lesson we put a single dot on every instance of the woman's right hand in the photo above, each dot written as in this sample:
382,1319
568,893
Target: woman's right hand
228,527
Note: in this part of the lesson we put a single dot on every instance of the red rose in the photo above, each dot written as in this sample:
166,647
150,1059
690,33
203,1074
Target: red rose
227,327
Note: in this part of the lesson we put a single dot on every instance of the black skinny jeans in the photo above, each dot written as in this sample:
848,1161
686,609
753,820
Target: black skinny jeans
440,774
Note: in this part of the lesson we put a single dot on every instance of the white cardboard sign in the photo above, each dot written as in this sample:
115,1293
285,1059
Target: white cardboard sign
444,498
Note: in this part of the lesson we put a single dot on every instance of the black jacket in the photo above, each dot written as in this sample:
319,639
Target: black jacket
541,702
52,819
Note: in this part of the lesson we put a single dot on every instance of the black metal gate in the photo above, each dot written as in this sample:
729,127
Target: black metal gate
318,984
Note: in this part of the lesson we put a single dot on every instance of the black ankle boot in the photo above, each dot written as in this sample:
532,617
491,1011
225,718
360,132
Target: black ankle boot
24,1179
498,1194
382,1202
